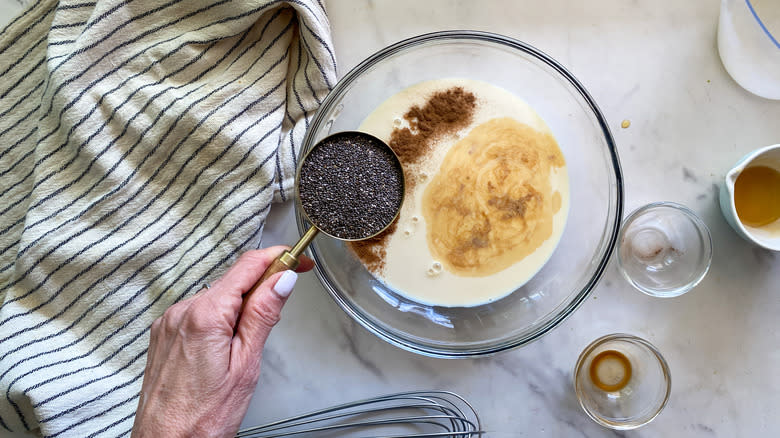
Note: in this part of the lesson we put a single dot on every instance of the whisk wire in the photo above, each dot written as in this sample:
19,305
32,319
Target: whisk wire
446,411
448,414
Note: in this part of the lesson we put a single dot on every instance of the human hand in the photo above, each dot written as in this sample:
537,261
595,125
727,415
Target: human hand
204,361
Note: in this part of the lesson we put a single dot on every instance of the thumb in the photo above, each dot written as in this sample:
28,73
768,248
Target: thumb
262,311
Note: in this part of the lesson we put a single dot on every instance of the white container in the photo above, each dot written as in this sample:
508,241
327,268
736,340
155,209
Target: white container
767,236
749,44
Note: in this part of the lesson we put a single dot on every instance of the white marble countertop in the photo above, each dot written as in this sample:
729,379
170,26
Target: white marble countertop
655,64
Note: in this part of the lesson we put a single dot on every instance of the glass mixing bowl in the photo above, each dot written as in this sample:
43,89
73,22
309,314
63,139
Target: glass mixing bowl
596,190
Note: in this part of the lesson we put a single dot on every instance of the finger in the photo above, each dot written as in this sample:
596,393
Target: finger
240,278
261,313
224,298
305,264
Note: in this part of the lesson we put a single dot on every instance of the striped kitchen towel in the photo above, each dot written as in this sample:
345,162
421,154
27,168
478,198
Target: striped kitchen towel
141,146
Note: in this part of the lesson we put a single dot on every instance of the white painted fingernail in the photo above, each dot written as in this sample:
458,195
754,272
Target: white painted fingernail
285,283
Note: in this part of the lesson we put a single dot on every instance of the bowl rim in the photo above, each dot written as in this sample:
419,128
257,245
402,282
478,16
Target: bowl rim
612,237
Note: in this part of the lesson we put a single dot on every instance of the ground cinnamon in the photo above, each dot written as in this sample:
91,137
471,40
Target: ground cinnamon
443,113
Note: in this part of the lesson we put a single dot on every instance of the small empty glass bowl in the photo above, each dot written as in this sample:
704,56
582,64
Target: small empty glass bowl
664,249
622,381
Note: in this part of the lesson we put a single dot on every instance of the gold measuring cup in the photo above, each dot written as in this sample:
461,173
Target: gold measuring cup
345,139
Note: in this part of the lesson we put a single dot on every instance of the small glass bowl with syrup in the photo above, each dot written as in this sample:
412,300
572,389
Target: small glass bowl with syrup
664,249
622,382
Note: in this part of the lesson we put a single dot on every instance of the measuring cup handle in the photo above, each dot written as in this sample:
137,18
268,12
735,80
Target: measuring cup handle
285,261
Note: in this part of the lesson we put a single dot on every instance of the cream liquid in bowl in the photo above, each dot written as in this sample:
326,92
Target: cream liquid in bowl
485,206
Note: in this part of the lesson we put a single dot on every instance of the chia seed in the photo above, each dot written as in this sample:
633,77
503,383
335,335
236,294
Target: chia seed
351,185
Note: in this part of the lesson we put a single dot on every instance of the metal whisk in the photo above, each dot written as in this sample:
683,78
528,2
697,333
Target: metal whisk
402,415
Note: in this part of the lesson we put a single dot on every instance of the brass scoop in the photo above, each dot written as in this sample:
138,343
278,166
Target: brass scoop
350,186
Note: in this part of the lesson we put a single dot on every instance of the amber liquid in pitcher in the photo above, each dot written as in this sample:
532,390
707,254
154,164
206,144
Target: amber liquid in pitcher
757,196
